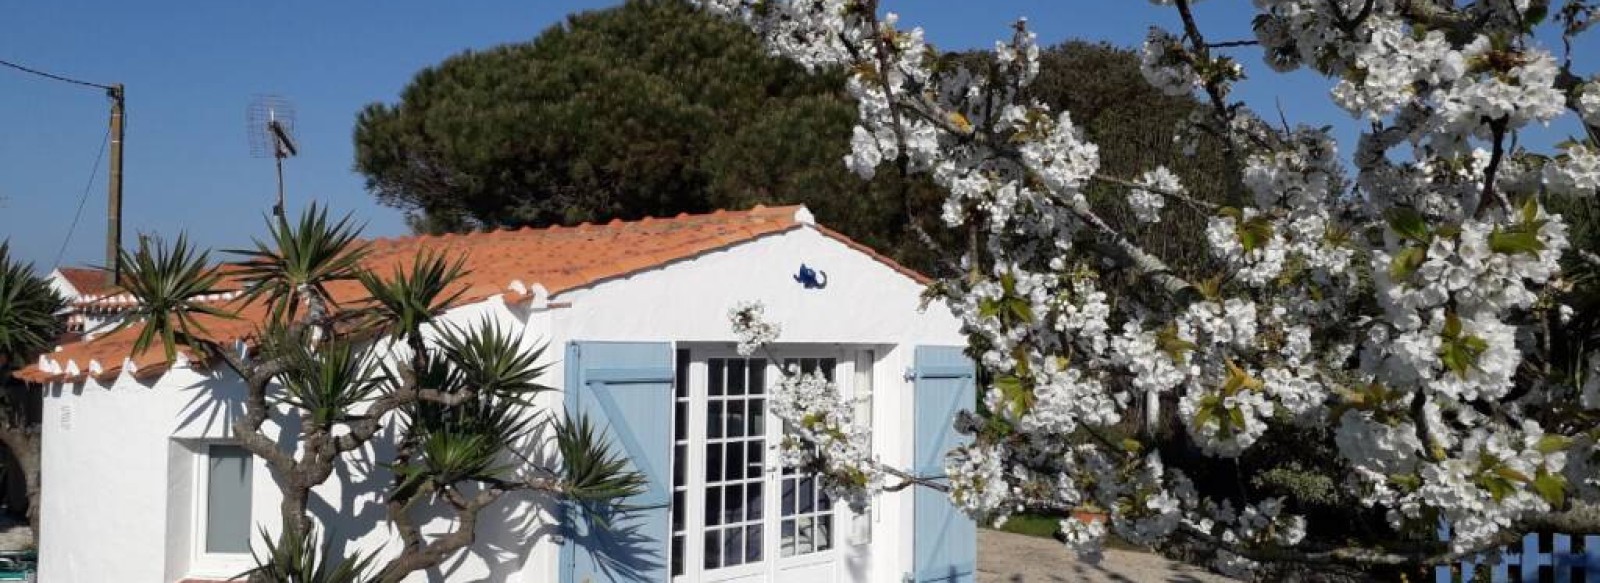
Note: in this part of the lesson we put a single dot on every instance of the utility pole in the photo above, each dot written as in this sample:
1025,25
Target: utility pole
114,186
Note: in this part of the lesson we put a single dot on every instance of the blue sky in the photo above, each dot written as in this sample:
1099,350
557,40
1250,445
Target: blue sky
191,69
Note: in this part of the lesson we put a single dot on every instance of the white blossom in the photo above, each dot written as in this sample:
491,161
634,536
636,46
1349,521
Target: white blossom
1392,298
751,327
1162,65
1087,538
1150,196
1589,103
1576,172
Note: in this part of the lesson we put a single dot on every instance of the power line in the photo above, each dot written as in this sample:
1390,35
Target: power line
93,171
53,75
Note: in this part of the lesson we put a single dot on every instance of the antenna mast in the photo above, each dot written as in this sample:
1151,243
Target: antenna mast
270,124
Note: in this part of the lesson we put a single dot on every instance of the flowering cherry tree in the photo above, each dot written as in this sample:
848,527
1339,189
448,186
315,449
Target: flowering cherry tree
1408,305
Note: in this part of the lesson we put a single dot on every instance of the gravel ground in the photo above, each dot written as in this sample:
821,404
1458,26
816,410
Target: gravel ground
14,534
1013,558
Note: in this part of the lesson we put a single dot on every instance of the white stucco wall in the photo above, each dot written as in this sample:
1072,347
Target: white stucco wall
118,460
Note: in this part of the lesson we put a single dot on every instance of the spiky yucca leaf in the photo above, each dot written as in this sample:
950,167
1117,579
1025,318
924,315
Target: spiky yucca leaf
593,471
169,285
292,559
326,382
408,299
300,258
28,306
461,443
492,360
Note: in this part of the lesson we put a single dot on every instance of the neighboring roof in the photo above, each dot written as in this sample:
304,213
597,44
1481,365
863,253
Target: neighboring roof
87,281
512,263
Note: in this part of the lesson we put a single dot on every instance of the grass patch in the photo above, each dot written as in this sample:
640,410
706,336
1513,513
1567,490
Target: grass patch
1038,525
1046,525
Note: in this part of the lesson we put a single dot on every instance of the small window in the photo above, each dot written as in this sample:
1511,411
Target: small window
227,502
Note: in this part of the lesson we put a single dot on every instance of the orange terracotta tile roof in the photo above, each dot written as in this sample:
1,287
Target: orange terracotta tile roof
88,282
506,262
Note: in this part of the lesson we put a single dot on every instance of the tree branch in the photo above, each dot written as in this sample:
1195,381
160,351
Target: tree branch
1191,201
417,557
1497,155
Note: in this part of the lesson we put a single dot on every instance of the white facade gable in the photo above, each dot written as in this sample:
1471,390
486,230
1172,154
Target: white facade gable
125,474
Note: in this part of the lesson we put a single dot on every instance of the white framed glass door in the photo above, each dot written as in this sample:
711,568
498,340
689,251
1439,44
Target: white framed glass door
736,514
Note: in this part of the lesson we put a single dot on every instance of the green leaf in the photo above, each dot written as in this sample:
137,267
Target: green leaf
1236,417
1211,288
1015,392
28,307
1460,355
298,559
594,471
1510,474
408,299
1516,240
1409,224
1551,487
1206,413
1020,309
1239,380
171,285
1552,443
1497,486
299,261
1530,210
1132,446
1175,347
1452,326
1407,482
1255,232
1406,263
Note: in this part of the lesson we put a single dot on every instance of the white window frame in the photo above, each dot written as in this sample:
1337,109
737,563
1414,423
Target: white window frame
772,565
209,564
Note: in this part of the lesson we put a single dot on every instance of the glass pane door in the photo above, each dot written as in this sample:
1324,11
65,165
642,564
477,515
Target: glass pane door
806,513
736,515
735,449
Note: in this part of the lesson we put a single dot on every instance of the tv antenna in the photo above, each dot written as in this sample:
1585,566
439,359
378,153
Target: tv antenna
270,124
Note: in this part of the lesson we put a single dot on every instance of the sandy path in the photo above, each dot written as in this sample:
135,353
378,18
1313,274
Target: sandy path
1013,558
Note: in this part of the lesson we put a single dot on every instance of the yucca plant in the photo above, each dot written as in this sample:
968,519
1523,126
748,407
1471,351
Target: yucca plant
298,262
494,360
170,285
29,325
295,558
458,403
451,442
594,472
326,383
401,304
468,442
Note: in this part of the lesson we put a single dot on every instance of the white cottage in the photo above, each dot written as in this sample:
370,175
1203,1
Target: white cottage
142,485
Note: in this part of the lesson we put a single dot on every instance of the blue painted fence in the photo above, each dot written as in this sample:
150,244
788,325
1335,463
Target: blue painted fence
1561,563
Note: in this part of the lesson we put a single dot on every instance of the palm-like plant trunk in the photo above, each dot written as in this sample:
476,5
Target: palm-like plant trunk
23,443
417,555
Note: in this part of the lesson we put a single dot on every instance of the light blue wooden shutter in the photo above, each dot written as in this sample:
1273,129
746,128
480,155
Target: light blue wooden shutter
945,544
626,389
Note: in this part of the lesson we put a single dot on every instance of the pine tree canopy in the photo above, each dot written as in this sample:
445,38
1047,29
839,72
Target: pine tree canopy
652,108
